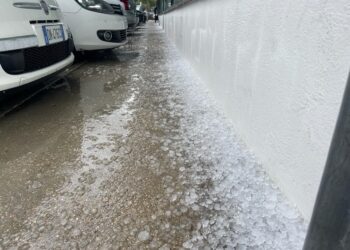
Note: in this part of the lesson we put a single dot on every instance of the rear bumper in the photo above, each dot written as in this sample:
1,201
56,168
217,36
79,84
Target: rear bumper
132,19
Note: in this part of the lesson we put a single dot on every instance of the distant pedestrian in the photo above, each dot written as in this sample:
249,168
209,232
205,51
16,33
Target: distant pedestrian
156,18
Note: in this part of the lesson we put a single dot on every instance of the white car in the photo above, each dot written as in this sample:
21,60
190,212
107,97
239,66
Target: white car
95,24
118,7
34,43
130,8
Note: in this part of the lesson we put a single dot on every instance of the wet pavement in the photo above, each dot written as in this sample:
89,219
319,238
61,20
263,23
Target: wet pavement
129,152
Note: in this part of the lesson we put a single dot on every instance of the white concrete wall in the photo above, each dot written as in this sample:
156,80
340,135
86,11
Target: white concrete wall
278,68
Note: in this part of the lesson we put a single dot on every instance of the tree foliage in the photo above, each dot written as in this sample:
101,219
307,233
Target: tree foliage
149,4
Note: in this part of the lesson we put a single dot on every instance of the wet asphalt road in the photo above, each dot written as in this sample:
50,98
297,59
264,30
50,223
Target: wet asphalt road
105,160
75,159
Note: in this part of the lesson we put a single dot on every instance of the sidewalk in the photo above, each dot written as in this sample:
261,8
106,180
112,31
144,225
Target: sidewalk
146,161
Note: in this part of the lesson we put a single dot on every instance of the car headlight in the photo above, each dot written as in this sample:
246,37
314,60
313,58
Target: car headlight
96,5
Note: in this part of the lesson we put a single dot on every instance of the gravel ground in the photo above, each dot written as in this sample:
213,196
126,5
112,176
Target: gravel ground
133,153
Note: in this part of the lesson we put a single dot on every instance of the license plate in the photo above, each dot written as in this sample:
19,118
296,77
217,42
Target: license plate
53,34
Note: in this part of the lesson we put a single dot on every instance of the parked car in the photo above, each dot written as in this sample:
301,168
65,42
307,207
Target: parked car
118,7
95,24
141,13
150,15
130,7
34,43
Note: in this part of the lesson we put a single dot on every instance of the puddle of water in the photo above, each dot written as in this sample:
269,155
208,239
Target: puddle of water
45,139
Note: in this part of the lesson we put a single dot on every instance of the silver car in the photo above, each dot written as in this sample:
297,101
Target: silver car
133,19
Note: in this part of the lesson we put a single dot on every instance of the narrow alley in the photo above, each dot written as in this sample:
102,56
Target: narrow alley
130,151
